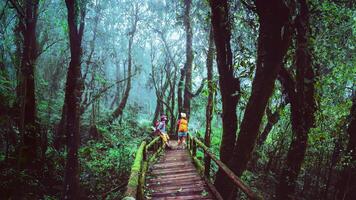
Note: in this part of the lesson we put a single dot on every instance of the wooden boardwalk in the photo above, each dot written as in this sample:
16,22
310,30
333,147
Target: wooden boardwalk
174,176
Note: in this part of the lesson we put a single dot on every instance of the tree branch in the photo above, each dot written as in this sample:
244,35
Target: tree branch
48,46
249,6
200,89
4,9
18,9
101,92
288,84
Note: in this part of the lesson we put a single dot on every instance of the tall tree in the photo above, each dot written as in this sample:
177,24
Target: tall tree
273,42
301,96
229,85
347,181
210,105
27,16
189,56
119,110
73,93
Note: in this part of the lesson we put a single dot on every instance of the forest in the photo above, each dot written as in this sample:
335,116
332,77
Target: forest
268,86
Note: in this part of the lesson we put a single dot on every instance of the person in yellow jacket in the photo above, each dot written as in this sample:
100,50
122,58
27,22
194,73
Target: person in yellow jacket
182,129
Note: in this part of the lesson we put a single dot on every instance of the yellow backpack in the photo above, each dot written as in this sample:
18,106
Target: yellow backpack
183,125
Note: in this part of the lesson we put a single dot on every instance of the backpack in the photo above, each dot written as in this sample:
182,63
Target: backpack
183,125
156,123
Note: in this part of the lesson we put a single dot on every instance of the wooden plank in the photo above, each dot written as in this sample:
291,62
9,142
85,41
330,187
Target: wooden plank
174,176
172,165
170,171
191,191
164,180
177,189
177,183
191,197
174,186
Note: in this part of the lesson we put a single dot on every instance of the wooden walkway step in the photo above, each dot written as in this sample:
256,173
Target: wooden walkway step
174,176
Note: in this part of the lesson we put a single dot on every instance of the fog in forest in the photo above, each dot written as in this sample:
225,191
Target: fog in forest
90,90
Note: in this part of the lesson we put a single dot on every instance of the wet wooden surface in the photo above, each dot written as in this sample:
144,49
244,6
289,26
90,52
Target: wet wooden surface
174,176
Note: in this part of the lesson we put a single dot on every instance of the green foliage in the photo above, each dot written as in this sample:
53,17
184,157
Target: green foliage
7,94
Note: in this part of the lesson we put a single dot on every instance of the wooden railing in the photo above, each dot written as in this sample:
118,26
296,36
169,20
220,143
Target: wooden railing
193,144
145,155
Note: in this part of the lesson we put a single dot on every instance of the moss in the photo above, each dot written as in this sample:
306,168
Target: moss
149,145
128,198
138,170
141,186
199,165
135,172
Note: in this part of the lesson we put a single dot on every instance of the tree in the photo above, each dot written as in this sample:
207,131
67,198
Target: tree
301,96
229,85
189,57
347,180
28,124
210,104
73,93
119,110
272,46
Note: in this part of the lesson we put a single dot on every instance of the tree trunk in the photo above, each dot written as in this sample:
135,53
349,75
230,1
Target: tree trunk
347,182
160,93
73,94
209,106
229,85
301,96
272,119
60,136
119,110
272,46
157,111
189,57
334,158
180,90
28,117
172,96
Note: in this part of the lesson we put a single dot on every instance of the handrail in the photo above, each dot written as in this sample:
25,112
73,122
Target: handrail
194,142
139,167
153,142
136,169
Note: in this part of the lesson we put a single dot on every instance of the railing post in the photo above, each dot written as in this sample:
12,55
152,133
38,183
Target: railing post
145,153
188,141
194,153
207,161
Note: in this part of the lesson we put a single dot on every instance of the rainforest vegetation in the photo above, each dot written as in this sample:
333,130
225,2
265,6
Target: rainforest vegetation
268,85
